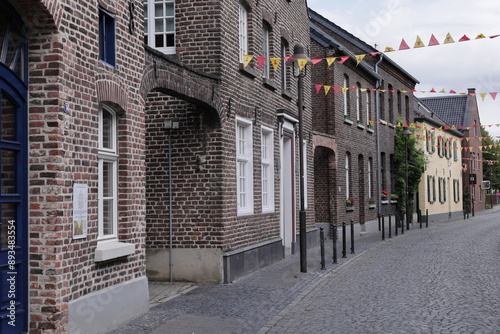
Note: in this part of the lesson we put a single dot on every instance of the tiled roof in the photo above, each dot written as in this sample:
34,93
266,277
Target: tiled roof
451,109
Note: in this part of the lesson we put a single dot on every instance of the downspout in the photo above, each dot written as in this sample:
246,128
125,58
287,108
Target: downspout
377,130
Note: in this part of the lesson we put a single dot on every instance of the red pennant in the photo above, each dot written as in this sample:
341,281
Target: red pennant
336,89
433,41
414,90
432,91
260,61
403,45
452,91
343,59
494,36
373,54
464,38
318,88
354,87
493,95
316,60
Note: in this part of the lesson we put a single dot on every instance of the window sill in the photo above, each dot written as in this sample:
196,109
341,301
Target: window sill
349,208
268,83
384,202
106,251
360,126
348,121
369,130
248,71
286,94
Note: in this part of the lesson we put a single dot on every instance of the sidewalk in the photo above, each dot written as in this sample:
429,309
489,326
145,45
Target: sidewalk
246,305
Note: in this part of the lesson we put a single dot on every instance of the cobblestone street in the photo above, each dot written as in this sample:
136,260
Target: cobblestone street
441,279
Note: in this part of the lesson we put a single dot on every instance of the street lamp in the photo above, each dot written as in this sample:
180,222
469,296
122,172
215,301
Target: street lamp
406,133
300,60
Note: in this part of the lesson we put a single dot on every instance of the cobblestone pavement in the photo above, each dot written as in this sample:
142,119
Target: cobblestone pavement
441,279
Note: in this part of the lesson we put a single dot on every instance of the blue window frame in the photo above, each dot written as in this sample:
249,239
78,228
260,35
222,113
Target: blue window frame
107,51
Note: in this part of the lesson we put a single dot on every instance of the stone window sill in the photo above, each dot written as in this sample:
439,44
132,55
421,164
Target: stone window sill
106,251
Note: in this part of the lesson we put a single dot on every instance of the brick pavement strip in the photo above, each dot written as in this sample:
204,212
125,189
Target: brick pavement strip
421,282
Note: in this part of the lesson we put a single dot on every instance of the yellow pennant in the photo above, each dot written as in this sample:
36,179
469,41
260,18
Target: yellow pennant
302,63
483,95
246,60
327,89
403,91
363,89
389,49
453,127
371,123
276,62
442,91
480,36
359,58
449,39
419,43
330,60
345,89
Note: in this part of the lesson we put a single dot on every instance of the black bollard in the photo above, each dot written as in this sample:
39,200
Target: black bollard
427,218
383,227
352,236
344,242
335,244
402,223
322,244
390,223
396,223
379,228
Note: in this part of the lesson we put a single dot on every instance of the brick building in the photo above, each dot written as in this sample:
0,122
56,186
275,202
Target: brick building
142,146
352,122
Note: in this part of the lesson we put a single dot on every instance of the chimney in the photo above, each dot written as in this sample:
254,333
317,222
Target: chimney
471,91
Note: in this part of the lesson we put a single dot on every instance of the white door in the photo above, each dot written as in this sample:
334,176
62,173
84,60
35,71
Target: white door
287,192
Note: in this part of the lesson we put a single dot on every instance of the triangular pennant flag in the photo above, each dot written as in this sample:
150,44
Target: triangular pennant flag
494,36
453,127
343,59
302,63
359,58
419,43
493,95
403,45
345,89
403,91
464,38
389,49
432,91
354,87
260,61
373,54
448,39
246,60
276,63
336,89
318,88
327,89
433,41
442,91
483,95
452,91
316,60
480,36
330,60
472,94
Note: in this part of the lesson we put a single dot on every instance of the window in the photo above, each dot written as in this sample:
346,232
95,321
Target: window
390,102
243,31
369,177
368,111
244,166
265,51
108,184
107,37
440,147
398,99
345,90
358,102
159,25
267,166
455,151
347,176
456,190
284,78
383,171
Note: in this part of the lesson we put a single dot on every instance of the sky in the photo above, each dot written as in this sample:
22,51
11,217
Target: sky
456,66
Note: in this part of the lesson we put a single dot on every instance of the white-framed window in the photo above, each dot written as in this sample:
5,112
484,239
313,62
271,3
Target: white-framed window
358,102
456,190
243,31
244,166
265,51
108,169
284,74
267,166
368,110
345,96
369,177
159,25
455,151
347,175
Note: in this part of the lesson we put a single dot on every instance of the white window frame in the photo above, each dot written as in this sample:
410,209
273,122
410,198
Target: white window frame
149,24
265,51
267,169
347,176
369,177
345,97
284,79
367,93
244,166
358,102
243,31
108,155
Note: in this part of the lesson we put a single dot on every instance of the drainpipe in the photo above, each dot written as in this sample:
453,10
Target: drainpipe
377,130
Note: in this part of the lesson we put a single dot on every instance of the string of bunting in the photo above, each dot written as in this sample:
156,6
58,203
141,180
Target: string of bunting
433,42
326,89
275,62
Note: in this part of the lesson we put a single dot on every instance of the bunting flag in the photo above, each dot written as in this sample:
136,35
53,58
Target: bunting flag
433,41
246,60
343,59
275,62
419,43
403,45
261,61
316,60
448,39
464,39
318,88
359,58
327,89
330,60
